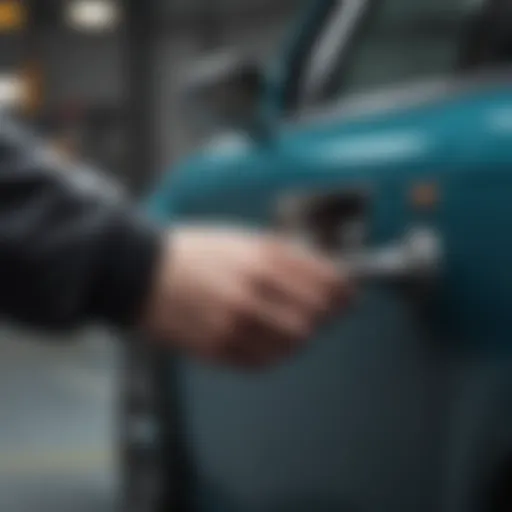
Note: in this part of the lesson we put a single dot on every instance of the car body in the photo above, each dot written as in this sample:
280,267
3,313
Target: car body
403,403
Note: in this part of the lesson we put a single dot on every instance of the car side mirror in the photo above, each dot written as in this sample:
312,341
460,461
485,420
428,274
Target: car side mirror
225,90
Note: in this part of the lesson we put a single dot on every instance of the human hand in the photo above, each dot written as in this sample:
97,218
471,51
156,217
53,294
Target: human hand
239,298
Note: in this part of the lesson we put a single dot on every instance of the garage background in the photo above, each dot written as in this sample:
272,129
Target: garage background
100,82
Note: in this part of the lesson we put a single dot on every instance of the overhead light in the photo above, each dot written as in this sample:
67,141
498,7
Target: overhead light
12,15
12,91
93,15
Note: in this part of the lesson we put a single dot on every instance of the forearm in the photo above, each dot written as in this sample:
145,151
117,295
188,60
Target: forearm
66,256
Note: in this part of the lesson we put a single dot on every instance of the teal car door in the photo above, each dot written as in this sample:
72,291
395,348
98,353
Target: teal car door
364,419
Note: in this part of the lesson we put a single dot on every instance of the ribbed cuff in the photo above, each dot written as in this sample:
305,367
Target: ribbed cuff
135,250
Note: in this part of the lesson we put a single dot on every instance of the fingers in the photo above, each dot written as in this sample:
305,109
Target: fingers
304,278
245,300
277,311
251,332
260,349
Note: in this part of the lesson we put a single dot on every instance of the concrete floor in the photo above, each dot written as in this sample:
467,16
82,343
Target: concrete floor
57,423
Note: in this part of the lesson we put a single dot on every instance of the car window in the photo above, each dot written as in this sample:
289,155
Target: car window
337,31
389,42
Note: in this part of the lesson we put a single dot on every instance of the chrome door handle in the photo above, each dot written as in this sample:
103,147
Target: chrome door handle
417,257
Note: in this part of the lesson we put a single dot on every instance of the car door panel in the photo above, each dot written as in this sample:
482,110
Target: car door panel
380,412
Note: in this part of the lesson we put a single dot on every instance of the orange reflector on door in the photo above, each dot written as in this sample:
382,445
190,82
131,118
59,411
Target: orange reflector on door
424,196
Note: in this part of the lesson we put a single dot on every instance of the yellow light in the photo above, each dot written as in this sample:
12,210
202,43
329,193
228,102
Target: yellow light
33,90
12,15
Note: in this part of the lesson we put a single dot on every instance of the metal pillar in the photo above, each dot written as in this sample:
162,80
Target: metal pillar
140,70
210,25
155,467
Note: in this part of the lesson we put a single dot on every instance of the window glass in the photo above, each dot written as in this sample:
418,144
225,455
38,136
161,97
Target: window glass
395,41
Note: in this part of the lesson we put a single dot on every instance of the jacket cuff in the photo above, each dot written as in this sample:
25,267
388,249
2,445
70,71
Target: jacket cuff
136,250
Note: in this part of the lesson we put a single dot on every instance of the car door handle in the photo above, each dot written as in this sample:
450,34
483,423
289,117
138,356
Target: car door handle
336,224
416,257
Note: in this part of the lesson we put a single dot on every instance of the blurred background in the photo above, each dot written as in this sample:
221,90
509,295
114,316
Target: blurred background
99,80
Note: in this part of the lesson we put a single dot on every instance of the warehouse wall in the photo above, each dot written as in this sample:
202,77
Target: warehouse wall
91,69
83,67
176,54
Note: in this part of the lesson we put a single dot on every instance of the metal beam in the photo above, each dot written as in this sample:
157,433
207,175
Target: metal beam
171,457
49,14
210,25
140,64
252,15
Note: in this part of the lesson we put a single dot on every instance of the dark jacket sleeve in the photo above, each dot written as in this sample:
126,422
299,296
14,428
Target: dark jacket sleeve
68,256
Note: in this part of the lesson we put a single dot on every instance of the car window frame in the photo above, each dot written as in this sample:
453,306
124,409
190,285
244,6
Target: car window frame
357,11
297,51
304,104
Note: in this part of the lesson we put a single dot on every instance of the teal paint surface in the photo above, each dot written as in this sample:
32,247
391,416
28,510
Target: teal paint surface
464,145
392,408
